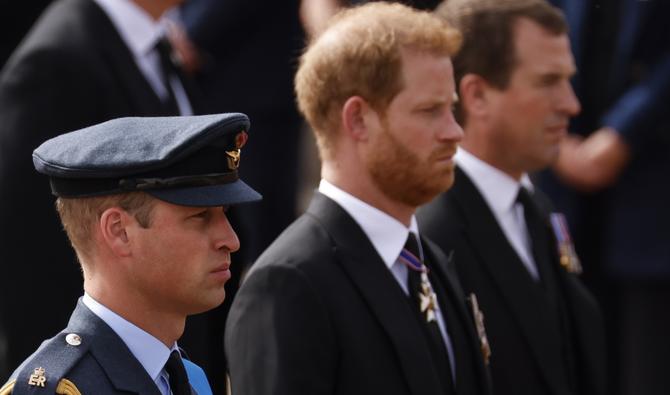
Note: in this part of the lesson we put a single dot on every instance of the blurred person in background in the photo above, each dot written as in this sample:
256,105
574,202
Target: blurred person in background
243,55
16,20
83,62
610,179
515,102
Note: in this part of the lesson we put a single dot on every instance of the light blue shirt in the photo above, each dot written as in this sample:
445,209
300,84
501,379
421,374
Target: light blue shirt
149,351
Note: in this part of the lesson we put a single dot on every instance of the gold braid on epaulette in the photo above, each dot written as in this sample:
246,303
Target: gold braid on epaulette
65,387
7,388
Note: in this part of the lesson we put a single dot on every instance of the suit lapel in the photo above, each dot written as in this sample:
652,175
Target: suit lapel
519,291
380,291
122,368
443,268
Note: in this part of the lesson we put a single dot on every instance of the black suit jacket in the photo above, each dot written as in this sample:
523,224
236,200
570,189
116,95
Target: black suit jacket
72,70
525,340
320,313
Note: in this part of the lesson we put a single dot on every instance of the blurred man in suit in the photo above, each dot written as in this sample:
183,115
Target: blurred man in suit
513,75
609,178
84,62
16,21
349,299
243,54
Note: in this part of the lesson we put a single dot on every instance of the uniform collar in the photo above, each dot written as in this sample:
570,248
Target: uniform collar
149,351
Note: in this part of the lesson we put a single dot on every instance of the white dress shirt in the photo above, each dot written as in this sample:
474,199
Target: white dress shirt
500,191
388,236
140,32
149,351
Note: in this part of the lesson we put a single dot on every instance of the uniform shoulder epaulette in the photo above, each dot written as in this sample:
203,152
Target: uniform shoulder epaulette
45,371
65,387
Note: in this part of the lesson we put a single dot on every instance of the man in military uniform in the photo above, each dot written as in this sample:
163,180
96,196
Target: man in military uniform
143,201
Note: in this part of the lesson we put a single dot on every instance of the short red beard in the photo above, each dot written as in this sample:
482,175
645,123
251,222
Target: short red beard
402,176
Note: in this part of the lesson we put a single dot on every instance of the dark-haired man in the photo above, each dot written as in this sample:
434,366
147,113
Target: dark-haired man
513,77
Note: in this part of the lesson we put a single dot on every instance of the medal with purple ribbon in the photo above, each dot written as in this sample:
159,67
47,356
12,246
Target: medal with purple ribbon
566,250
427,297
412,261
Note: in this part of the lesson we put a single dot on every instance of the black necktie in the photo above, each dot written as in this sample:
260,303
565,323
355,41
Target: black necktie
537,232
178,379
542,252
415,285
168,70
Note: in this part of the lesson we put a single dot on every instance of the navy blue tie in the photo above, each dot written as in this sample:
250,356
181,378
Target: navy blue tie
178,378
416,282
168,70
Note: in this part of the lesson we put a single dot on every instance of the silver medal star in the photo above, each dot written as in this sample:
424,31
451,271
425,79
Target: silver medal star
427,299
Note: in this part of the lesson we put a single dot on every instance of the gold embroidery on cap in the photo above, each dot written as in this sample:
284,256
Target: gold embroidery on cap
233,159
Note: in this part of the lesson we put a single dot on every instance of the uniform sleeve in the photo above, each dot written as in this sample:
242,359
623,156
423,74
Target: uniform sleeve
635,114
279,339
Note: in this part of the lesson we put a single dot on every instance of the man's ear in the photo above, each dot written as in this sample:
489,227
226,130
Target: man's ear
473,95
113,226
357,116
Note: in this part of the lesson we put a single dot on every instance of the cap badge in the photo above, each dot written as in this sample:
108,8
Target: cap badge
233,159
233,156
37,379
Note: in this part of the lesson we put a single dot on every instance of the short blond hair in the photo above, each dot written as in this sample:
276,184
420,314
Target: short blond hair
80,215
359,54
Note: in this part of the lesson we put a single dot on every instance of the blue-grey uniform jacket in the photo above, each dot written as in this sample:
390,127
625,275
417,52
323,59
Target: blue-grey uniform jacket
88,357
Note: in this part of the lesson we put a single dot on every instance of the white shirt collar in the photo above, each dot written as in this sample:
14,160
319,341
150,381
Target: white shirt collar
498,188
387,234
148,350
137,28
